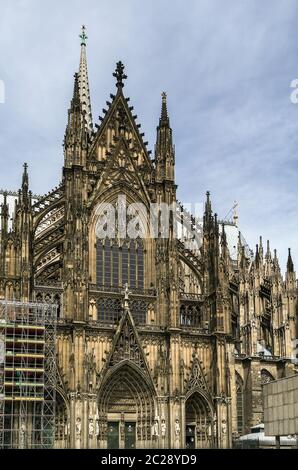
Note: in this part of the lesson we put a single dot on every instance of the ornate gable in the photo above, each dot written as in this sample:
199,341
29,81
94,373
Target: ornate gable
126,344
196,377
119,121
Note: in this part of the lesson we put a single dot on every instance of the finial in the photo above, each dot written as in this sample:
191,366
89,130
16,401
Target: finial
25,176
83,36
119,74
268,252
164,119
290,264
208,198
76,90
208,204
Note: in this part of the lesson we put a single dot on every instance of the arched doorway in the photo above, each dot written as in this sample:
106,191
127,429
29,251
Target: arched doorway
199,432
239,404
126,408
62,427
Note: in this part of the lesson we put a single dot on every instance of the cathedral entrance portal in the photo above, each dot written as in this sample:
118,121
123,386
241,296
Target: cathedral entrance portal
126,405
113,437
198,423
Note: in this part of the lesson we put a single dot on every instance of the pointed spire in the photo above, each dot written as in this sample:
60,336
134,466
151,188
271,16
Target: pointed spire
24,194
243,258
164,118
208,209
119,75
84,82
290,264
76,101
4,214
257,257
224,243
268,251
76,135
25,179
275,261
261,251
223,236
164,149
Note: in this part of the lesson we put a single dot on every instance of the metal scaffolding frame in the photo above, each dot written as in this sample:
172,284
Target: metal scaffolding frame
27,375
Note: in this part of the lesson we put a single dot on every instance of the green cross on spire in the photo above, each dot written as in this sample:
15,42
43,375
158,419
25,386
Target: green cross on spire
83,35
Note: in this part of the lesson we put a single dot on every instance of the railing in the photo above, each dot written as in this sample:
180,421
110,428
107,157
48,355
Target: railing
48,283
191,296
195,329
120,290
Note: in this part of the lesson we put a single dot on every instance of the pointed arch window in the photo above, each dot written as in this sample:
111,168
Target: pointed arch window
239,405
119,262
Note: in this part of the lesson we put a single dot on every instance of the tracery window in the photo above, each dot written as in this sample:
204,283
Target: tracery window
239,404
120,262
190,315
266,377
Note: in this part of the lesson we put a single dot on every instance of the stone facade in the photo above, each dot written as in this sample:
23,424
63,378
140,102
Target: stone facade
181,361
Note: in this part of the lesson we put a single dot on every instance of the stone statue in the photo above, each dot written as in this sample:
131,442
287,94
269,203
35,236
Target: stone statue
91,428
224,426
97,427
66,429
22,433
177,428
163,427
155,428
78,428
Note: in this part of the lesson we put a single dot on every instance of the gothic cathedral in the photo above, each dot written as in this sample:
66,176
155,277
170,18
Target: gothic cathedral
160,344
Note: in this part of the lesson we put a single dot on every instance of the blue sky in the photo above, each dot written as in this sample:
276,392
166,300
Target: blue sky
226,65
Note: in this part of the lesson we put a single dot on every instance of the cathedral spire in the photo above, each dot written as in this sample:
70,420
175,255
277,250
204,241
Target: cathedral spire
25,179
290,264
4,214
164,118
208,212
76,100
164,150
24,193
84,82
261,250
268,252
76,135
257,257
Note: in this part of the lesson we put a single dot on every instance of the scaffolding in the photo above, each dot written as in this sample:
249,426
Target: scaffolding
27,375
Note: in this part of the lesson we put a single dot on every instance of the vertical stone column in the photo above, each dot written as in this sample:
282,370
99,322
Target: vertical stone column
92,421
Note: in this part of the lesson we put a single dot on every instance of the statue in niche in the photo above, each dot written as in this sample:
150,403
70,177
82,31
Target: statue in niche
177,428
78,428
155,427
91,428
163,427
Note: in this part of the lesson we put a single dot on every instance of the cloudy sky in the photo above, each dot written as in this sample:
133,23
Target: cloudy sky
226,66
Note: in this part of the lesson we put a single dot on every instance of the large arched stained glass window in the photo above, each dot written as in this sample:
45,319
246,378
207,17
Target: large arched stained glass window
120,262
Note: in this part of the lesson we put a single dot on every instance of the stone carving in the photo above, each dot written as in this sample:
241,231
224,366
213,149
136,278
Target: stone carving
155,427
177,428
196,378
163,427
91,428
78,428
